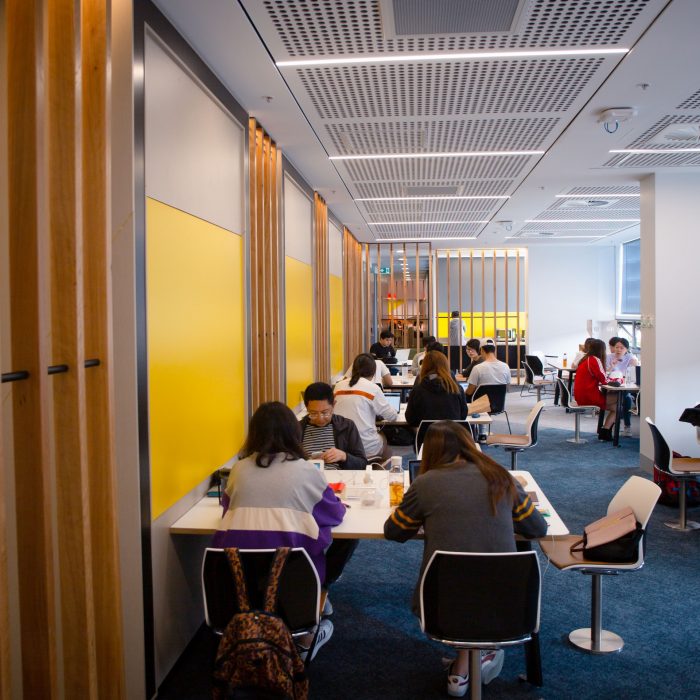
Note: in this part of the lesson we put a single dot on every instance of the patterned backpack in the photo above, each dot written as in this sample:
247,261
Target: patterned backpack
257,657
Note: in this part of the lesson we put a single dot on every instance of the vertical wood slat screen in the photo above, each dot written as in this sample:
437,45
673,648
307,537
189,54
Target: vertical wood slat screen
322,341
62,436
265,161
352,277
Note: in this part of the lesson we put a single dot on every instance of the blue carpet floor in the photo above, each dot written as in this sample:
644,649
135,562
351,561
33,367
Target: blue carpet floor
378,651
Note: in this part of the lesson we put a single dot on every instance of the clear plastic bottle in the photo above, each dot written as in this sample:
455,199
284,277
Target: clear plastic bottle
564,361
396,482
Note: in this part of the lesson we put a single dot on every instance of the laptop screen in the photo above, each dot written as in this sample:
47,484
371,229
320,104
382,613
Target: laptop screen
402,354
413,469
394,401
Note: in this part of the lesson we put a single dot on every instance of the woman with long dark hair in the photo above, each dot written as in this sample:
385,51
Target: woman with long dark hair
465,502
436,395
362,401
590,376
276,498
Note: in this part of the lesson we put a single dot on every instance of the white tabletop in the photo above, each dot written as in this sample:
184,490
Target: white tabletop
624,387
361,522
558,366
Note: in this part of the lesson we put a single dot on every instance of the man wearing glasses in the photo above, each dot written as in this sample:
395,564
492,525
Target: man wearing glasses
334,439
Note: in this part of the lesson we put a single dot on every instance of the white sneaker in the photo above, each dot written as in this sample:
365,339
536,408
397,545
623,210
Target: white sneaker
325,632
491,665
626,431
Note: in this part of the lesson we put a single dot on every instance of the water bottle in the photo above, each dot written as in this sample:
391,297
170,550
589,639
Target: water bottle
630,375
396,481
564,361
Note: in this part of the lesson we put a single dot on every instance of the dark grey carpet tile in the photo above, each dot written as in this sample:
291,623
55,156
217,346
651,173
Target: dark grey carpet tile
378,650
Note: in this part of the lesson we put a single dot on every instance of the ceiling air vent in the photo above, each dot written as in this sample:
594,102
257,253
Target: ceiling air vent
450,191
677,135
593,203
408,18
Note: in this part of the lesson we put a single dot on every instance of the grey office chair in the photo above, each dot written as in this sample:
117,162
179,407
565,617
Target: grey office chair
568,402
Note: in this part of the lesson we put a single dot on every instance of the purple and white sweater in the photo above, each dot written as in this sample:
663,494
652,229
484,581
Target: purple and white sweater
287,504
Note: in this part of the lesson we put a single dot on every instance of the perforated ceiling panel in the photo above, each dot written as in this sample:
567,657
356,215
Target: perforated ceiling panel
443,105
644,140
427,231
488,134
692,102
654,160
441,89
313,28
604,190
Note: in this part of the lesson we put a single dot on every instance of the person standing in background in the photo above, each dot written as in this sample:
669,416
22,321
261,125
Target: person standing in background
457,341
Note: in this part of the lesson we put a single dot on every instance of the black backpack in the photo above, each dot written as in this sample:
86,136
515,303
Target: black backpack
257,657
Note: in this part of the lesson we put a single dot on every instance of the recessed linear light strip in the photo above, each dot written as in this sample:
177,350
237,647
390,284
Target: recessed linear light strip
424,223
581,221
655,151
609,195
470,56
430,196
425,240
457,154
548,238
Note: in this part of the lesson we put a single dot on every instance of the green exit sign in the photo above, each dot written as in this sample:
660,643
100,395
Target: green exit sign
384,270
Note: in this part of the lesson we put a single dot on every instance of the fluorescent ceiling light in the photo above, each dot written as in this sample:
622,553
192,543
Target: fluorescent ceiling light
425,240
426,223
457,154
537,237
580,221
447,56
434,196
609,195
655,150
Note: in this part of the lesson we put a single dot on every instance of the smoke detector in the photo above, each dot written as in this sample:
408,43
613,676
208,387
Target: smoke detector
677,135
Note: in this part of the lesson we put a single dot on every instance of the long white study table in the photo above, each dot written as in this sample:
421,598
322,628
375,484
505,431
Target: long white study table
361,521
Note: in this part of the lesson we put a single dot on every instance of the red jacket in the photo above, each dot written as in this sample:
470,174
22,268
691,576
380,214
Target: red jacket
589,376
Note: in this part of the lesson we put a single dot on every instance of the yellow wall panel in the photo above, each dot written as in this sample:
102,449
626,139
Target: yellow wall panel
299,294
196,362
337,324
486,329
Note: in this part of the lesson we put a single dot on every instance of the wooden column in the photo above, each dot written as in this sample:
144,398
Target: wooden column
352,276
264,164
322,358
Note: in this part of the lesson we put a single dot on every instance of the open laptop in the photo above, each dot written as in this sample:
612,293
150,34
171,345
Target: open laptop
394,401
402,354
413,469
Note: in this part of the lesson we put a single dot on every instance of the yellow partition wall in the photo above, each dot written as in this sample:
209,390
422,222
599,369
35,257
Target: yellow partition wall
196,362
337,324
483,327
299,328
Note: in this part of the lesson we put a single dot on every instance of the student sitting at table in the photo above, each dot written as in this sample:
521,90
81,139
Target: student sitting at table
382,375
435,395
590,375
474,356
274,497
465,502
490,371
384,349
362,401
619,361
582,351
332,438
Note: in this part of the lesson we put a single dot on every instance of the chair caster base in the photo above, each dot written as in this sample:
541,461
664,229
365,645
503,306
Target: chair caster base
574,441
689,525
610,642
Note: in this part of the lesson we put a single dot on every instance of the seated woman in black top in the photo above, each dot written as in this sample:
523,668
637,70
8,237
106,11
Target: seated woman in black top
473,353
436,395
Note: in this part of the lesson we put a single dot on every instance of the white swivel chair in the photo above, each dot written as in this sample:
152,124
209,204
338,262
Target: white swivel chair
520,442
641,495
569,402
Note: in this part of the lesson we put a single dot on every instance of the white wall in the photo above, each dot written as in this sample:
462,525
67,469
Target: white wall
567,286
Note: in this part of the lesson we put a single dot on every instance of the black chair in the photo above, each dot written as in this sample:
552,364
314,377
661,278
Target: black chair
480,601
497,399
683,469
423,429
299,588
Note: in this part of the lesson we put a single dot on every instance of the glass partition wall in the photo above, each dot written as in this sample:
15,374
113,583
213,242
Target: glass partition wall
397,289
487,289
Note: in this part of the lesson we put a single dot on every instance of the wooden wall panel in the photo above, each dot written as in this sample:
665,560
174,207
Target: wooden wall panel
322,352
265,161
69,412
29,352
57,162
352,274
